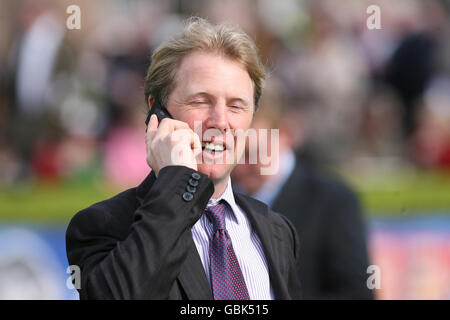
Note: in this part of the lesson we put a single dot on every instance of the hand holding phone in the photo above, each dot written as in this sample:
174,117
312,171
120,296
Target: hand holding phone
160,112
170,142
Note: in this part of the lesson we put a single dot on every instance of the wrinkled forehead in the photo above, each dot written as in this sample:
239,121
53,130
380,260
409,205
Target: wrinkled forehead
212,72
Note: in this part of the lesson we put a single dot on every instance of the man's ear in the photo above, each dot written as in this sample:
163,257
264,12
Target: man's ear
150,102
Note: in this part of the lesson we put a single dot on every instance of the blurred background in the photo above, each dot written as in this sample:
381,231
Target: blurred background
370,106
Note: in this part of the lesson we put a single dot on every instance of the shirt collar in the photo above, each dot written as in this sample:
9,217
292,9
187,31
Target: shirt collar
272,187
228,196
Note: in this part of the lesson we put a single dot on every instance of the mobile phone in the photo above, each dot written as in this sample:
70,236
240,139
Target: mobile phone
160,111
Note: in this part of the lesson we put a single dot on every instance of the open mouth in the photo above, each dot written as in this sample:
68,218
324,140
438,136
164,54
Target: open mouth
213,148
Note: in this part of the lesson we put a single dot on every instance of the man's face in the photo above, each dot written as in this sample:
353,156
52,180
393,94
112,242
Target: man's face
217,92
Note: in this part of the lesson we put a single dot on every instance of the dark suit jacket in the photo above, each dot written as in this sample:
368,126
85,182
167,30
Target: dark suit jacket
332,234
138,244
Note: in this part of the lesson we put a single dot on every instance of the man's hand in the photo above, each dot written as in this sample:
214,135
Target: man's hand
171,143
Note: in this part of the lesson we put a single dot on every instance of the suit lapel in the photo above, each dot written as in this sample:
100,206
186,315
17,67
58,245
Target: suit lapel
193,278
271,240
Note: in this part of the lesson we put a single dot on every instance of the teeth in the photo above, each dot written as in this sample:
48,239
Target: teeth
213,147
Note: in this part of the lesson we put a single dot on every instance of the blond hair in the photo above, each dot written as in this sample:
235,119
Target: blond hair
199,34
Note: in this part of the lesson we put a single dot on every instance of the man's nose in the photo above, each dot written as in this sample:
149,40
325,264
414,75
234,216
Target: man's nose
217,117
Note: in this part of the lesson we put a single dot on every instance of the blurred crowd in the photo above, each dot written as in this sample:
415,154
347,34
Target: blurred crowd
72,102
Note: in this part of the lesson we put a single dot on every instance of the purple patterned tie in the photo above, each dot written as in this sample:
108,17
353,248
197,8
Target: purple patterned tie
227,280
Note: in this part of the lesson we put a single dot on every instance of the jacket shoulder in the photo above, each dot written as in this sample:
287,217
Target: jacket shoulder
327,183
110,213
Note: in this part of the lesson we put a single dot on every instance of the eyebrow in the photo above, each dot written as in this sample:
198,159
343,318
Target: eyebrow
199,94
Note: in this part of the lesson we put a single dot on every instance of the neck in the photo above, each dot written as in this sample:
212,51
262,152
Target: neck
219,187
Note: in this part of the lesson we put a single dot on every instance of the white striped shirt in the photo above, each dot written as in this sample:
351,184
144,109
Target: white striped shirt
246,245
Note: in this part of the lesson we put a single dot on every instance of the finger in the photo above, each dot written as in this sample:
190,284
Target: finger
183,136
196,143
192,144
168,129
187,136
197,147
168,125
152,127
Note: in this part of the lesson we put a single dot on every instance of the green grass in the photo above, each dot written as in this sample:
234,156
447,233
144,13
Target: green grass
47,203
402,192
399,193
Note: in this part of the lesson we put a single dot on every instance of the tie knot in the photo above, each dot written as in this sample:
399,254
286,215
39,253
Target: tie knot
216,215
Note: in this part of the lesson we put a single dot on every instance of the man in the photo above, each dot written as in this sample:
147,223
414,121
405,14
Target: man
183,233
325,212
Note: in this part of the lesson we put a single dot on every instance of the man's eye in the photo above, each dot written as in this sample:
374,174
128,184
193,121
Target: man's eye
236,107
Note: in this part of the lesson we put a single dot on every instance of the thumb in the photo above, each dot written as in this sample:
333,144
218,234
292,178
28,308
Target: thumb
153,124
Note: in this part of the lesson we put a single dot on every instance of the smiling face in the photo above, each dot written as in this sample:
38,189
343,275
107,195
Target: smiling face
216,91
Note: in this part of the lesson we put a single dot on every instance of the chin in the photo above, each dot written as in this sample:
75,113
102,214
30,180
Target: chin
216,172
